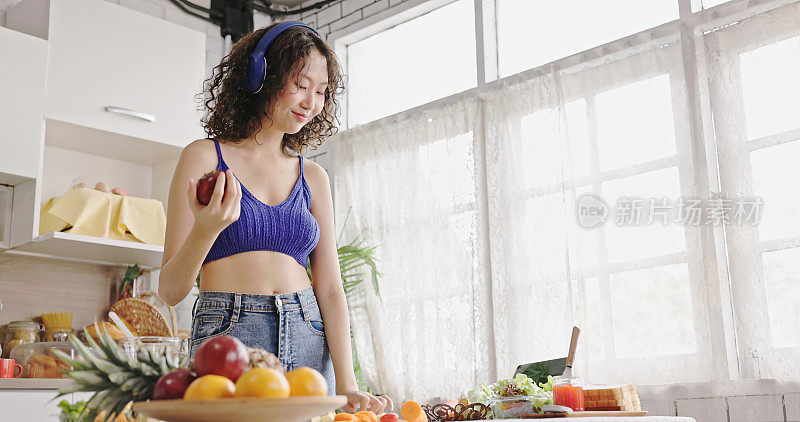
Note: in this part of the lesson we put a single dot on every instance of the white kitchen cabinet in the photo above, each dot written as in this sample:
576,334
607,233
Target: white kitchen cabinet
26,399
104,59
29,405
22,86
62,168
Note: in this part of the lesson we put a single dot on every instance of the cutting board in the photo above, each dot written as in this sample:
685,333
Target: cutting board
584,414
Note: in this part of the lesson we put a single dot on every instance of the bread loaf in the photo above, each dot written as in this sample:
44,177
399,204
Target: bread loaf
611,397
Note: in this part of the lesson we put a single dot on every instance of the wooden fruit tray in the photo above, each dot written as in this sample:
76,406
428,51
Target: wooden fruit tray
291,409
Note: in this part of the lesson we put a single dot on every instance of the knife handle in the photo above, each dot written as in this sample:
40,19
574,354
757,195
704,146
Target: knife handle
573,344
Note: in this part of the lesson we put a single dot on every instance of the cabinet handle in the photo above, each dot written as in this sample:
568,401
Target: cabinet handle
129,112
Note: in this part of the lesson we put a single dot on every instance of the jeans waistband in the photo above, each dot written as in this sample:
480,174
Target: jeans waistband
256,302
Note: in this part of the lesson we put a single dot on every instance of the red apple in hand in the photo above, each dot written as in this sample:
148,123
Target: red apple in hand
173,384
205,186
223,355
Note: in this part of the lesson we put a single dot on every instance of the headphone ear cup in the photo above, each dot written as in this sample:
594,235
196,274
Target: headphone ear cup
256,71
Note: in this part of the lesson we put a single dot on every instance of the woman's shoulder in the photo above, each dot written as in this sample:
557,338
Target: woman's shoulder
200,153
314,173
200,146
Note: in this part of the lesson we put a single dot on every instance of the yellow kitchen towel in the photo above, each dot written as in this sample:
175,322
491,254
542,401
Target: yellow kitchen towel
94,213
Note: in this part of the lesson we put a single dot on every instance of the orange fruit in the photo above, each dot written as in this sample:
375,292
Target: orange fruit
305,381
342,417
262,382
367,416
412,412
210,387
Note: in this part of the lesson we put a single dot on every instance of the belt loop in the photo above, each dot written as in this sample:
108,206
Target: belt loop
303,305
237,307
194,307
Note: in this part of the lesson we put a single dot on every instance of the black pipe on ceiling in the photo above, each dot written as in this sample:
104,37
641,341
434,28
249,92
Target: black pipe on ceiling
235,17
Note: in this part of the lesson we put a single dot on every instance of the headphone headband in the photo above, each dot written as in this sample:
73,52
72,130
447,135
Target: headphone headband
256,60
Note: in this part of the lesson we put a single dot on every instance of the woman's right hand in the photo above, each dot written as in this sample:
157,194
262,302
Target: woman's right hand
213,218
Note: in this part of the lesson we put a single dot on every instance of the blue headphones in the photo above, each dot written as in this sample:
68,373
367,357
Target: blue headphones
257,62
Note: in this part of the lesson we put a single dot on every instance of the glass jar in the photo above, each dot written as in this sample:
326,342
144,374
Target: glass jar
57,334
21,332
568,392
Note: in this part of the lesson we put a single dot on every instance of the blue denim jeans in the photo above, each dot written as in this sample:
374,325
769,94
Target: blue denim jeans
288,325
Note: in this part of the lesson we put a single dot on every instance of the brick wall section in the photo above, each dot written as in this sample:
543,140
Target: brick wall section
340,14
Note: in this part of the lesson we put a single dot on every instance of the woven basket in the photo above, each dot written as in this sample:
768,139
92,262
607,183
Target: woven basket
146,318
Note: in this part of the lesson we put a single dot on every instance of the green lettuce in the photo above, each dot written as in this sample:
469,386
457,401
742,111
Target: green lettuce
539,394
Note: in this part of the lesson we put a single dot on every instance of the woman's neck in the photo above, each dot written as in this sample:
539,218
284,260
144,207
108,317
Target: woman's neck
266,144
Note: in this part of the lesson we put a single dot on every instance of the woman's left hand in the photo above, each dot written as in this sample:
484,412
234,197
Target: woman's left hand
361,400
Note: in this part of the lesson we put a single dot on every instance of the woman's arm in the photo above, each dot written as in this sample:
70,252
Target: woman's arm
191,227
330,296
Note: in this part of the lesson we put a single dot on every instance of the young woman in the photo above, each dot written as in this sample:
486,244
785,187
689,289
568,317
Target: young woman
270,211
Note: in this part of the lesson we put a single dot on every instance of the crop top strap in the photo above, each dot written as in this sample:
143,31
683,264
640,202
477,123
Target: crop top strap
305,188
221,163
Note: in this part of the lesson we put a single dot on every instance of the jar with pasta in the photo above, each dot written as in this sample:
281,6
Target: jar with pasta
21,332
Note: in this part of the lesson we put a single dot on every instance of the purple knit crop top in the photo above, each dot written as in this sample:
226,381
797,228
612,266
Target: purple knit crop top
288,228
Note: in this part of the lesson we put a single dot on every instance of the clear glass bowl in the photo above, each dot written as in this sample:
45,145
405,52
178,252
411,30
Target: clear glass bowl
154,344
510,407
39,361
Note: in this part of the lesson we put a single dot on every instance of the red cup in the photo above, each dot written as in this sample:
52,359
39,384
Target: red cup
7,368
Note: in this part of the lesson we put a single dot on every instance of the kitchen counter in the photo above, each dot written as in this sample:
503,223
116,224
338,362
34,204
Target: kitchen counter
611,419
32,383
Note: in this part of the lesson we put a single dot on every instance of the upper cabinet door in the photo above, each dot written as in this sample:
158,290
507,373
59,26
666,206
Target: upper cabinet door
117,70
22,78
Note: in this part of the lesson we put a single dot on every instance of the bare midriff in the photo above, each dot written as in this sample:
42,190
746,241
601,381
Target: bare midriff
256,272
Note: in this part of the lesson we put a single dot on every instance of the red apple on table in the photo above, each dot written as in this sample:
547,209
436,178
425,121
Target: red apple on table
205,186
223,355
389,417
173,384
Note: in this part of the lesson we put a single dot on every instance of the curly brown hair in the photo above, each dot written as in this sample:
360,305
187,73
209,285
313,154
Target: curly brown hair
233,114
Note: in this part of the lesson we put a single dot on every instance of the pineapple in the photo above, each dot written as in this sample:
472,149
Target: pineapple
114,378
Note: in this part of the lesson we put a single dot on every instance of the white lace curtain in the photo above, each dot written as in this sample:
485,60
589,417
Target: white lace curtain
413,193
473,202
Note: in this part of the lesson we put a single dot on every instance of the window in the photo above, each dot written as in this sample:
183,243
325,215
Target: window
754,88
642,294
638,279
531,33
413,63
